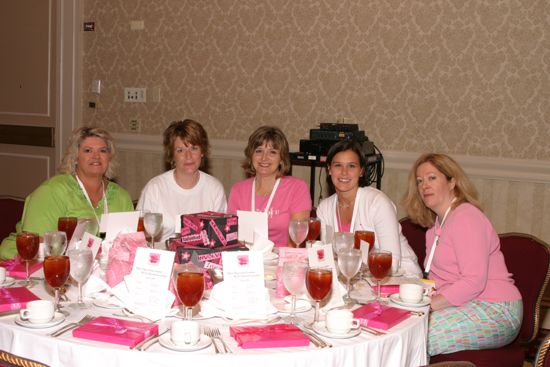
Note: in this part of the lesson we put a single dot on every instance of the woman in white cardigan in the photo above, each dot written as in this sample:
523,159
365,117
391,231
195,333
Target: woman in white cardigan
355,206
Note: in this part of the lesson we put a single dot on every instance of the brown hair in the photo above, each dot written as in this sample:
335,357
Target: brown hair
465,191
262,135
189,131
68,164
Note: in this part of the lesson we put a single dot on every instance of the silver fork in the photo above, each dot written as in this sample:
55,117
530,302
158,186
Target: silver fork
71,326
208,332
216,333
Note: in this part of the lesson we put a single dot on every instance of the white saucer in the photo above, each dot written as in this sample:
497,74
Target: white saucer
395,298
321,329
109,303
284,306
166,341
58,318
7,282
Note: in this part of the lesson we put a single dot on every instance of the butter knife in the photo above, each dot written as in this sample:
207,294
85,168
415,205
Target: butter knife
9,313
319,343
145,344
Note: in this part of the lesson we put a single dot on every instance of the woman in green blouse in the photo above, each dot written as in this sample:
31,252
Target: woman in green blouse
81,189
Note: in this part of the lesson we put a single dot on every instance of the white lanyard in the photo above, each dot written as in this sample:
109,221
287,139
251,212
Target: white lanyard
353,216
436,240
271,196
105,205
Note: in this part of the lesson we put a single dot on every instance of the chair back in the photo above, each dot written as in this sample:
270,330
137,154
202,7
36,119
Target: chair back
542,359
416,236
528,259
11,210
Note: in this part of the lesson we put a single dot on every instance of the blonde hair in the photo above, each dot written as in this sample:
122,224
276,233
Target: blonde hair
464,190
263,135
68,164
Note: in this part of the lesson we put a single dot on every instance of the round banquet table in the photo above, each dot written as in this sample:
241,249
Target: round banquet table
404,345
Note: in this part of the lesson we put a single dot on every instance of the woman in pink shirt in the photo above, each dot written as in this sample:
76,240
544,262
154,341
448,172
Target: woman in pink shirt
476,304
269,188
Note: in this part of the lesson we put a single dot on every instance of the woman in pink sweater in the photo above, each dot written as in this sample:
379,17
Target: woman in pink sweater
476,304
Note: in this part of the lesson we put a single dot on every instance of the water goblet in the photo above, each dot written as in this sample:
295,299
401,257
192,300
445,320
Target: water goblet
368,237
379,266
319,285
56,272
81,261
298,229
189,284
55,243
342,241
294,274
349,263
152,223
27,244
314,230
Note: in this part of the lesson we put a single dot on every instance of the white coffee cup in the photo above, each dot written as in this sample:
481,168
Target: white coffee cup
2,275
185,332
38,312
341,321
411,293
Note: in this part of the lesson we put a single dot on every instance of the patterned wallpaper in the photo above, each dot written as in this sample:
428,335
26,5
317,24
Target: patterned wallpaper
466,77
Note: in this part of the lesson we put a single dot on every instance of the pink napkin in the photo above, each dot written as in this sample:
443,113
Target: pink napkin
269,336
380,316
15,298
16,268
386,289
121,256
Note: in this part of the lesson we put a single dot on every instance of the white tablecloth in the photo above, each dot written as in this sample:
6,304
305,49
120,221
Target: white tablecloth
404,345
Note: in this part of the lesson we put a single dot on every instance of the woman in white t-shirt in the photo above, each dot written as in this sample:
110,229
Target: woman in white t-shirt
184,189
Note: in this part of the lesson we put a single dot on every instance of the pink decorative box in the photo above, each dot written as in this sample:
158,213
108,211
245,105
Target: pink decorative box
116,331
380,317
15,268
387,289
270,336
209,230
15,298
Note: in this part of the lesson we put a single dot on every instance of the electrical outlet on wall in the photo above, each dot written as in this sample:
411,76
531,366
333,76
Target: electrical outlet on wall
135,125
135,94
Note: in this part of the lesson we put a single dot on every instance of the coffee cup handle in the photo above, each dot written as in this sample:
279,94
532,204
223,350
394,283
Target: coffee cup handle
24,314
355,324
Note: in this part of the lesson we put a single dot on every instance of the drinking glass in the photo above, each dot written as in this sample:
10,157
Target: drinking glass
314,230
349,263
342,241
55,243
67,225
90,225
189,284
152,222
297,229
27,244
319,285
379,266
56,272
81,267
294,274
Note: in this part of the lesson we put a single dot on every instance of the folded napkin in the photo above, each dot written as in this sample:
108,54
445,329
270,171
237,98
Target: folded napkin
16,268
214,306
269,336
116,331
15,298
262,244
379,316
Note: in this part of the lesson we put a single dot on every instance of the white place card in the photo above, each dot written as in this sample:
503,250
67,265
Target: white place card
322,256
114,223
243,273
250,222
148,282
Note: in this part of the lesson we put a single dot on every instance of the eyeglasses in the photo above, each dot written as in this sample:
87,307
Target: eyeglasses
193,149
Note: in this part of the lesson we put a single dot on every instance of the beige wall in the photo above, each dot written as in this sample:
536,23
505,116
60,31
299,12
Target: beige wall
467,78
